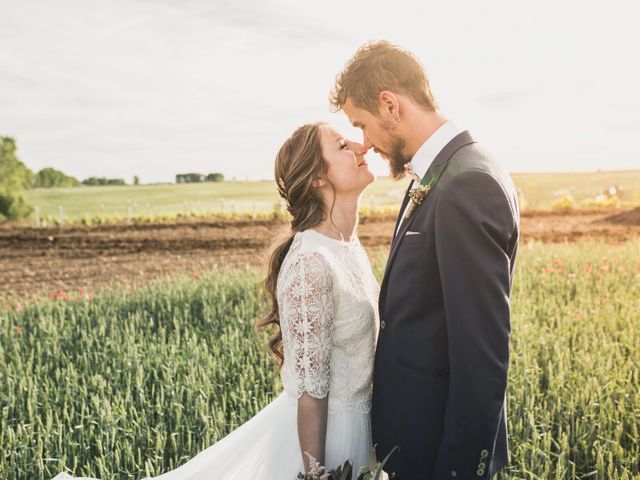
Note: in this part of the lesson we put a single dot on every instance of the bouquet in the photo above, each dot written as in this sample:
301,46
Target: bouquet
344,472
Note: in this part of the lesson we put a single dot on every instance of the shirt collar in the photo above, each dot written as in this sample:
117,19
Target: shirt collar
428,151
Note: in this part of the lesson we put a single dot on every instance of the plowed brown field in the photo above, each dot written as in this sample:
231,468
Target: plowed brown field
36,262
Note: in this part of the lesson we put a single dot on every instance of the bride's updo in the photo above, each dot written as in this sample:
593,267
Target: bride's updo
298,163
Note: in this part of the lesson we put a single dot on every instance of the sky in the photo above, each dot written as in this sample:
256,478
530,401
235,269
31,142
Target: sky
158,87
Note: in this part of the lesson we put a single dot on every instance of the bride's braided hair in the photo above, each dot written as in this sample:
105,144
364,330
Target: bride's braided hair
298,163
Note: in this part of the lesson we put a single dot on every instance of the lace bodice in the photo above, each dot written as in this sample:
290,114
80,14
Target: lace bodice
327,301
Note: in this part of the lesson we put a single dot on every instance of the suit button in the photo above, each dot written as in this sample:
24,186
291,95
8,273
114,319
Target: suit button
454,473
382,324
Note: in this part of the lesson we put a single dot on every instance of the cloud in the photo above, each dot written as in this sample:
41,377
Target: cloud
632,126
255,17
17,80
138,86
507,99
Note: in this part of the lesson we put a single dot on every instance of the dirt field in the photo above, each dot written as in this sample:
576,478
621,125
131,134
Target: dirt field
39,262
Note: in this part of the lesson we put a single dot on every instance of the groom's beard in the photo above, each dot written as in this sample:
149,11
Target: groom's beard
397,160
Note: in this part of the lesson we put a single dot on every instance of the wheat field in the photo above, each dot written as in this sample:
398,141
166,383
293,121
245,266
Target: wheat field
131,385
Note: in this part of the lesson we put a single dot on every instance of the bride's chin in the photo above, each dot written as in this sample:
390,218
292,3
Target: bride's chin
373,178
369,182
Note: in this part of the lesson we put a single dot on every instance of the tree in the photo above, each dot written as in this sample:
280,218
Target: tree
190,178
14,174
13,206
50,177
215,177
95,181
14,178
91,181
136,180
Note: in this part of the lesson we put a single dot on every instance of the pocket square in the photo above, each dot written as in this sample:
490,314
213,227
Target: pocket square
409,232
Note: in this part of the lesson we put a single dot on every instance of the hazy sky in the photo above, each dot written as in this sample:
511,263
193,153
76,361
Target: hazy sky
156,87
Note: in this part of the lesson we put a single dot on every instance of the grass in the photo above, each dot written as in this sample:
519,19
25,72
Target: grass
127,385
539,191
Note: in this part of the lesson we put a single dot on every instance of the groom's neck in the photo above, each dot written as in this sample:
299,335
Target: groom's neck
420,125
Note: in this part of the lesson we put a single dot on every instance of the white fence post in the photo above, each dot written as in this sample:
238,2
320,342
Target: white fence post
37,216
61,214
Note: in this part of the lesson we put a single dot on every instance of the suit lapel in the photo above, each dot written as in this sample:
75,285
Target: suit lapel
436,169
405,200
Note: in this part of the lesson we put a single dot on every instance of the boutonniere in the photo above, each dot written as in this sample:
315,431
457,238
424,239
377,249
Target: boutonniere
418,194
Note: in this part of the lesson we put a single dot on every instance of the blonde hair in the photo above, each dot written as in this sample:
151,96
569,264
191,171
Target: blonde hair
377,66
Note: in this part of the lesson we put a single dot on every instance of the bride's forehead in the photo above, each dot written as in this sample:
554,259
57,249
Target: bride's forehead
329,133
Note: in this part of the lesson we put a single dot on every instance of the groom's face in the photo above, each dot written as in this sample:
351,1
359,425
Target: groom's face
381,135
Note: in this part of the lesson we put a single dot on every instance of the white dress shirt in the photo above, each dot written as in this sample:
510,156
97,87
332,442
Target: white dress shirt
428,151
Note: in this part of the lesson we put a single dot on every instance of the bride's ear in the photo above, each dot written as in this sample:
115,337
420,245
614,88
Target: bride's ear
319,182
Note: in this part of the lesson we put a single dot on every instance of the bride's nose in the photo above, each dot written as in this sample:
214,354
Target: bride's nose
357,148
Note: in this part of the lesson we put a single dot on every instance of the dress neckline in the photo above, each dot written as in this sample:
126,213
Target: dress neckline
353,241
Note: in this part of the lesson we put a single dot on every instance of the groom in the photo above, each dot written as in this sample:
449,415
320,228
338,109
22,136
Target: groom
442,356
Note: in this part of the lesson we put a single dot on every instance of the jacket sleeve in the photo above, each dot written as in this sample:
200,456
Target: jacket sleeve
473,227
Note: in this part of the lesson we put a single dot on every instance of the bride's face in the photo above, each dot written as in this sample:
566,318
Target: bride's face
347,170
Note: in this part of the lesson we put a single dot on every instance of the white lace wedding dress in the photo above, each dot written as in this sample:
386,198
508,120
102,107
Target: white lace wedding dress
327,297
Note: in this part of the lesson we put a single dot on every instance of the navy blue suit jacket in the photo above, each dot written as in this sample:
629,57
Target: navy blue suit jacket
442,356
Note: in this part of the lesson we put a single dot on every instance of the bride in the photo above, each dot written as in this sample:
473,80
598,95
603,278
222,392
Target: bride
324,307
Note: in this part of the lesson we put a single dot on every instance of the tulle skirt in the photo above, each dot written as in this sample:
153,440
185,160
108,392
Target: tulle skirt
266,447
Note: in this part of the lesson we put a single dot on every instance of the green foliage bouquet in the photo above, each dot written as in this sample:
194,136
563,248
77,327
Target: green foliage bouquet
345,472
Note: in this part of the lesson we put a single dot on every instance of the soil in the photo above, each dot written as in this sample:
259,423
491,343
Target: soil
37,262
631,217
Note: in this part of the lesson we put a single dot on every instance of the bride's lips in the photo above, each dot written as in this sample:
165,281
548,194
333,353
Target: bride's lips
363,162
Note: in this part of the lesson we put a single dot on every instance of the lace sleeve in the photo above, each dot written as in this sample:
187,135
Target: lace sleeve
306,320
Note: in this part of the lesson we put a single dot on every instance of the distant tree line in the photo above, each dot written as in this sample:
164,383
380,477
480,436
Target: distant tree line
16,177
199,177
93,181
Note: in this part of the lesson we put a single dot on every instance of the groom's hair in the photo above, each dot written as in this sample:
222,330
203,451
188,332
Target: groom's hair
376,66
